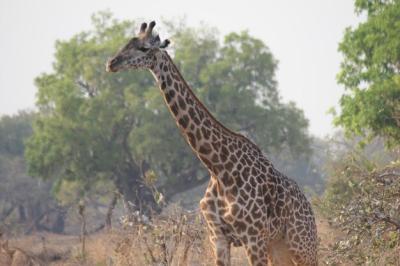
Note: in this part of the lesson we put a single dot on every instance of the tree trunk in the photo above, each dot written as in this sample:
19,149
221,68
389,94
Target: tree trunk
81,211
130,184
110,211
7,212
186,180
59,224
34,215
21,214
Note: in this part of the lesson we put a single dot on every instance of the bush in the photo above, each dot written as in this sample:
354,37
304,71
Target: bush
178,238
363,200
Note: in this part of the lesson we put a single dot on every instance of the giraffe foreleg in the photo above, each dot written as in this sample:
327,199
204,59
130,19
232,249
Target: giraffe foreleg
222,248
221,243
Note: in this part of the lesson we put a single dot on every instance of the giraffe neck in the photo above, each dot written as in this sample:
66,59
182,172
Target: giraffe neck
216,146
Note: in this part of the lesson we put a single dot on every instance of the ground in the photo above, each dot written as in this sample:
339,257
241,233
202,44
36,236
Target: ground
169,242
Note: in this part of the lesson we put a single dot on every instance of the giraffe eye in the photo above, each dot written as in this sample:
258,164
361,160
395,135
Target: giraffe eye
143,49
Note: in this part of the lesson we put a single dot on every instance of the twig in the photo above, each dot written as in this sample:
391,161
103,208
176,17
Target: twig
81,211
111,209
45,253
388,220
91,91
149,250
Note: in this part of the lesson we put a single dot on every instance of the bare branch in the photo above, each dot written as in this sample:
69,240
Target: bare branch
385,218
85,87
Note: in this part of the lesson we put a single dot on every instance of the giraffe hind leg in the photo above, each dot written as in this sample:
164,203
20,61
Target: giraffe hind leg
280,255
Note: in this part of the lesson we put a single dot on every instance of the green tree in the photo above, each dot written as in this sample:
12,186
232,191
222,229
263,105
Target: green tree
82,131
241,89
94,126
370,73
14,130
16,206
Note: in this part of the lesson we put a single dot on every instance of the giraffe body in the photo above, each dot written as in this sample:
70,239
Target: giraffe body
247,202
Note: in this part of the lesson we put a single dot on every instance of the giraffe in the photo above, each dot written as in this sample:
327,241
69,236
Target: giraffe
247,202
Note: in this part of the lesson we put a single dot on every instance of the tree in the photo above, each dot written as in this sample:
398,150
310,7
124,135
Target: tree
81,133
94,126
14,130
241,89
370,72
15,204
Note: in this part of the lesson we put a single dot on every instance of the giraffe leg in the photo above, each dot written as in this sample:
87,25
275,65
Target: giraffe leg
279,254
303,248
222,250
257,253
221,244
301,258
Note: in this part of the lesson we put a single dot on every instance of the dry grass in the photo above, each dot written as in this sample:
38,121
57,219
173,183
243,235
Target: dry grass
179,238
176,239
53,249
328,236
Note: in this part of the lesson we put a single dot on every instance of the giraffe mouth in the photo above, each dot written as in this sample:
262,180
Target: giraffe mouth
112,64
109,67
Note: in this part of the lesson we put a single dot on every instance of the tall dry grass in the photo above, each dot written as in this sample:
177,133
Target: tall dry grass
175,238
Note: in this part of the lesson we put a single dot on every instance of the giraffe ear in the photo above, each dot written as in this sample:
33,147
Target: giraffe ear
165,43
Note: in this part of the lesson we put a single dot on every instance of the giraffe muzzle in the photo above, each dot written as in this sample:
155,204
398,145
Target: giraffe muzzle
112,63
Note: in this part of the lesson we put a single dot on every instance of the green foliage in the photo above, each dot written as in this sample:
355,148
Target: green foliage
18,207
81,130
240,88
14,130
372,6
370,73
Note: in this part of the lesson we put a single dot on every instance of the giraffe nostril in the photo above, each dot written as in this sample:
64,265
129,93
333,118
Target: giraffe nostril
116,60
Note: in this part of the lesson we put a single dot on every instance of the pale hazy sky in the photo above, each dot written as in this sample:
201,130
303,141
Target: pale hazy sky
302,35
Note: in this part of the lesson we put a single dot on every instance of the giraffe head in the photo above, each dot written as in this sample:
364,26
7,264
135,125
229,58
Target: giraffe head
139,51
